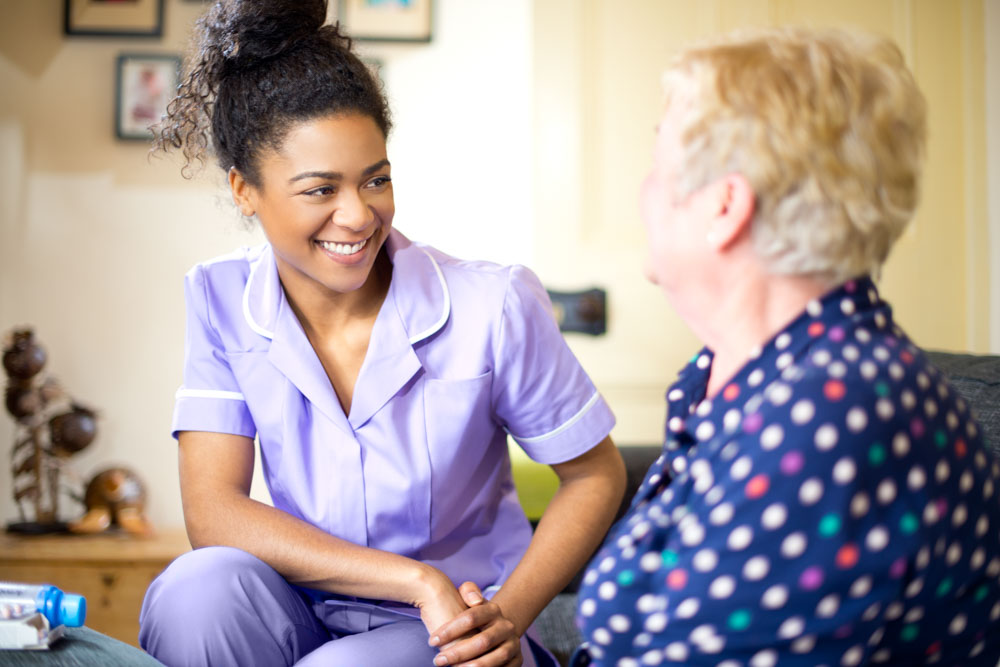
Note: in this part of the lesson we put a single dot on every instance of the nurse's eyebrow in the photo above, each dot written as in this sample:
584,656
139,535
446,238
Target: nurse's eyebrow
336,175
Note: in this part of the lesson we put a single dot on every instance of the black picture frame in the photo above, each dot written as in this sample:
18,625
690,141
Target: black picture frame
387,20
104,18
144,85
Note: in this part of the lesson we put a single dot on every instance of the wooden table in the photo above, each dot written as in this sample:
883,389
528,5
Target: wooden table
112,571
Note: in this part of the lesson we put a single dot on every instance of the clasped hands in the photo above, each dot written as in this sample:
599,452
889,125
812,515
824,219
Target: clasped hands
470,631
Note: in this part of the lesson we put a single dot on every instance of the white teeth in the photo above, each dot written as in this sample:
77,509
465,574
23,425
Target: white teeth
343,248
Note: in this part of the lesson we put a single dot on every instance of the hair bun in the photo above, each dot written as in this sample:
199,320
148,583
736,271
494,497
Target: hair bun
248,31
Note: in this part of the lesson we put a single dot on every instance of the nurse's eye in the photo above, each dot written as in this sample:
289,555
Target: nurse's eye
378,182
321,191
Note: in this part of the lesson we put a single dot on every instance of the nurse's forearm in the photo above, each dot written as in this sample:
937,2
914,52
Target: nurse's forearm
590,491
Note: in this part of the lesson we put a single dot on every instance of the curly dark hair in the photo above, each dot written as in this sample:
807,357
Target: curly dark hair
257,67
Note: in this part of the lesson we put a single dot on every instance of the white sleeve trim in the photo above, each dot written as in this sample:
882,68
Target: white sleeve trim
567,425
209,393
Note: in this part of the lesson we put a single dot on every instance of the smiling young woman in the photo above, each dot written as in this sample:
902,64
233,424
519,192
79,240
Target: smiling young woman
381,378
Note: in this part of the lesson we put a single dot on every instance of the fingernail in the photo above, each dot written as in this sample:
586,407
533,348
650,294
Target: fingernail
434,641
476,598
441,660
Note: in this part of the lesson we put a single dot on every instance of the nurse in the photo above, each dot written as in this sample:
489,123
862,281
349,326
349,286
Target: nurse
381,378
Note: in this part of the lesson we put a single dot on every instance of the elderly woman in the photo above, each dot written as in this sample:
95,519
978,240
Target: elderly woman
824,496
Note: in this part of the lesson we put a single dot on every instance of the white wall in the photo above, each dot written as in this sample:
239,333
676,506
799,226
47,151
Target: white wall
95,240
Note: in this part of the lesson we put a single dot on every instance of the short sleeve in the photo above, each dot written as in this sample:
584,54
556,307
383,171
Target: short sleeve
210,398
542,395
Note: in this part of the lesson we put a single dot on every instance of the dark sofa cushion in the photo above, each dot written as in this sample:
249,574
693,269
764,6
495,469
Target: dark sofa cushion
977,379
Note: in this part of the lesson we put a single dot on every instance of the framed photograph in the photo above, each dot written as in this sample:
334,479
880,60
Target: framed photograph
386,20
113,18
145,84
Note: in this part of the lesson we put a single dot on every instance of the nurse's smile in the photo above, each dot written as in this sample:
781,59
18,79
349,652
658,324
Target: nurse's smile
346,252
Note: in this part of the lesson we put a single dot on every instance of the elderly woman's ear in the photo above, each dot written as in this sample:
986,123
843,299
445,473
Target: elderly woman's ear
732,203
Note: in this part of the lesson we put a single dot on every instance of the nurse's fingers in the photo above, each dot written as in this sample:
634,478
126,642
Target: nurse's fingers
471,594
495,644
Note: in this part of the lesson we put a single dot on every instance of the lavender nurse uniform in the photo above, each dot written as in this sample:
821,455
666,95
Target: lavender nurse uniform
461,355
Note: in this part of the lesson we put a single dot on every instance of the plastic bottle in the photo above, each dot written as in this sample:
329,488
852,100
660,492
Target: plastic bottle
59,608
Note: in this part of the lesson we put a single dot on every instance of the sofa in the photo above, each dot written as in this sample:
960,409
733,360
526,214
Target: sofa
976,377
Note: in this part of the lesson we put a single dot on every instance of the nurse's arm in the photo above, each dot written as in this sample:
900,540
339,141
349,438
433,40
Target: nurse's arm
215,474
590,491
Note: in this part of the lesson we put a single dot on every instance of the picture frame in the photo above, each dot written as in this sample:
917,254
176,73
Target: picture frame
144,85
386,20
113,18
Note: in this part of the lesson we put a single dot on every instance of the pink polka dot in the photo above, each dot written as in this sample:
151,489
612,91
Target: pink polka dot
752,422
906,356
731,392
850,287
837,334
898,568
942,506
816,329
677,579
843,631
917,427
792,462
757,486
811,579
834,390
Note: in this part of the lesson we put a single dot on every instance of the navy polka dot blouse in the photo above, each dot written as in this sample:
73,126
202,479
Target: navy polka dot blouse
834,504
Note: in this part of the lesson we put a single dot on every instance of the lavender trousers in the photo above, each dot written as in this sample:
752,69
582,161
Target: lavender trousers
221,606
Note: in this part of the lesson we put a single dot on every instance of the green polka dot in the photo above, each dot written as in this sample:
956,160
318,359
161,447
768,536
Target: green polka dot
982,592
882,389
943,587
829,525
626,578
670,557
909,523
739,619
696,355
876,454
940,438
909,633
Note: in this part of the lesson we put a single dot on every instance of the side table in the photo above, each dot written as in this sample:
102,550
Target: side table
111,570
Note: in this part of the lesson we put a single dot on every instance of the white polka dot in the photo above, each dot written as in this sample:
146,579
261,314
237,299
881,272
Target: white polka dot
793,545
705,430
957,625
655,622
722,587
771,437
977,649
730,451
756,568
954,554
704,408
966,481
881,353
982,526
714,495
641,529
713,644
923,381
680,464
977,559
627,662
971,430
755,377
995,612
779,393
987,489
766,658
803,411
740,538
774,516
675,394
862,335
591,577
847,307
732,420
900,445
784,359
650,562
828,606
814,308
907,399
896,371
861,587
852,657
868,370
876,637
676,651
871,612
942,471
619,623
705,560
701,634
606,564
721,515
804,644
914,588
923,558
811,491
741,468
821,358
884,409
652,658
860,504
857,419
826,437
703,361
850,353
886,492
791,628
894,611
607,590
588,607
880,320
837,369
844,471
676,424
916,478
687,608
915,615
601,636
595,651
774,597
877,538
881,655
693,534
930,408
649,603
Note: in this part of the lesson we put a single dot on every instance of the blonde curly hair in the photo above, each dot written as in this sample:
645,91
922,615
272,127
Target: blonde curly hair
827,126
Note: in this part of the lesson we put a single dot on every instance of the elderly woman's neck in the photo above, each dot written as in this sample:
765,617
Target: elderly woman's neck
751,312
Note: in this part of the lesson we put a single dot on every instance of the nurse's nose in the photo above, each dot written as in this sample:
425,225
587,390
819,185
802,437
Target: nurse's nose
353,211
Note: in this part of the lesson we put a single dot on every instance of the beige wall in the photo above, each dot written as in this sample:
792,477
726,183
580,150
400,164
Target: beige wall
95,238
598,65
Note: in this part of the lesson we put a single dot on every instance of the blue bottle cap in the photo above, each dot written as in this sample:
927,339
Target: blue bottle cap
72,610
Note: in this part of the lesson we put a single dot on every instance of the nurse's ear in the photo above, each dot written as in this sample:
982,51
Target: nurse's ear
242,192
